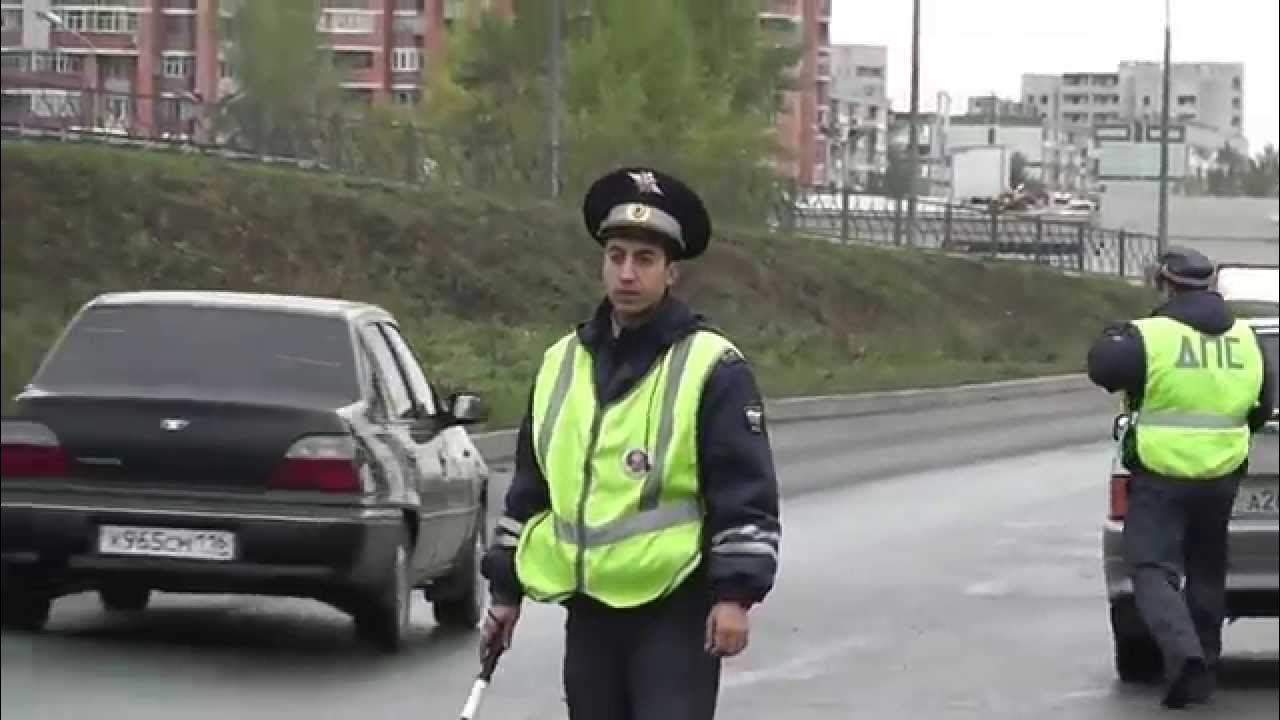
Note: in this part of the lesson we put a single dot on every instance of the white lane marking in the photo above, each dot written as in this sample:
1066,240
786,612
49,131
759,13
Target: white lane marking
801,667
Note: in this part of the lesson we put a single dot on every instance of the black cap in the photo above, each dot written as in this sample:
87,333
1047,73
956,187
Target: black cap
1187,268
640,197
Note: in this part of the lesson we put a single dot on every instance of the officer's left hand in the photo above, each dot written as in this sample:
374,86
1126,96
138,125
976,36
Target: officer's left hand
726,629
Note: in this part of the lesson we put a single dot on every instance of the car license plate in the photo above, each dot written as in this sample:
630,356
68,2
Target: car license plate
166,542
1258,499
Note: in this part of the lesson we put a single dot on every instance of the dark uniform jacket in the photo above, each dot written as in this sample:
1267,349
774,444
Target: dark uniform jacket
1118,360
735,463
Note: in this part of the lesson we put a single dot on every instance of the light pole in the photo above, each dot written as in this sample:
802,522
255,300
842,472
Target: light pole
913,152
1162,221
553,110
56,20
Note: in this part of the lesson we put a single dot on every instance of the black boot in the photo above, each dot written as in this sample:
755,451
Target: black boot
1191,683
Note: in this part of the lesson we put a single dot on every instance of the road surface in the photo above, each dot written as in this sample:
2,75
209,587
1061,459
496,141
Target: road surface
939,565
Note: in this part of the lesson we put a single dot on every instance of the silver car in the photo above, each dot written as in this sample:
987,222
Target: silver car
1253,565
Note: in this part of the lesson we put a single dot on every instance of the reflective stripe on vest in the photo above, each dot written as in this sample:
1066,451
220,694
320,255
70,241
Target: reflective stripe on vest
625,520
1198,393
1210,421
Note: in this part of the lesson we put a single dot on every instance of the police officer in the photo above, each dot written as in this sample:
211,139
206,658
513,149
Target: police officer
644,497
1196,388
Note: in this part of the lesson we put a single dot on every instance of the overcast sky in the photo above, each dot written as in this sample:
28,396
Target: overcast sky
976,47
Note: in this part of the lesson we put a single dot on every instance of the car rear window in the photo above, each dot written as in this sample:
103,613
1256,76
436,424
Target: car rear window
1271,346
205,352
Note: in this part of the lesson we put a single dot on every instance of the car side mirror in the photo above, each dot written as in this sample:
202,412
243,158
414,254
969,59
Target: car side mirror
466,409
1120,426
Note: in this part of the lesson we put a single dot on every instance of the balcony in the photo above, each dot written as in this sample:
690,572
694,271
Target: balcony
780,9
127,42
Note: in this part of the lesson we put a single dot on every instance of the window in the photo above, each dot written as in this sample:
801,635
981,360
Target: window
406,24
390,379
864,71
353,60
991,136
11,20
180,29
15,61
68,64
1235,103
412,368
406,60
1031,99
74,20
873,112
345,22
405,97
1235,83
222,353
1044,99
117,68
1186,100
1235,121
178,66
1146,101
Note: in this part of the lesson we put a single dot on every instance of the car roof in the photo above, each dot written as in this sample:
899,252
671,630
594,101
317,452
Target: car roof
298,304
1264,325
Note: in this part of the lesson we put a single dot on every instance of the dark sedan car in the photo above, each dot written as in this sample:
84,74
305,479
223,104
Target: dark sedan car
238,443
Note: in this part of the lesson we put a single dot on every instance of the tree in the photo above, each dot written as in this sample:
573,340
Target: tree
1237,175
687,86
1263,177
288,95
1017,170
896,180
677,85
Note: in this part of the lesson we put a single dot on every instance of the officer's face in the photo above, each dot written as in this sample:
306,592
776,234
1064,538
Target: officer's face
636,274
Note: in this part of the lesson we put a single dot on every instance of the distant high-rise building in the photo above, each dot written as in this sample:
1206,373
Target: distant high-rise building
858,106
805,24
1210,95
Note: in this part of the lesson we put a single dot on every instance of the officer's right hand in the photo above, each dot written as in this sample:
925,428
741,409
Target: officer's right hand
499,626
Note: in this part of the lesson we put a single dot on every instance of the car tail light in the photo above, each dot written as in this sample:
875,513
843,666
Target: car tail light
1119,496
30,449
319,462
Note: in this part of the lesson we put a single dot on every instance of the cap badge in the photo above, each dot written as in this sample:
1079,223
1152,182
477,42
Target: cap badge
638,212
645,182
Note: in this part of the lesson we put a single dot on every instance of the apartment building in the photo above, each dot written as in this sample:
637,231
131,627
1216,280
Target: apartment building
145,66
149,63
994,106
805,24
1208,94
857,112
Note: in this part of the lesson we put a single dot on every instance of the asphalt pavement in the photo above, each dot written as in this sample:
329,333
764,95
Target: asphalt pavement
943,565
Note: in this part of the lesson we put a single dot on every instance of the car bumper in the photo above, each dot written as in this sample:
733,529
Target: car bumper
1253,567
279,550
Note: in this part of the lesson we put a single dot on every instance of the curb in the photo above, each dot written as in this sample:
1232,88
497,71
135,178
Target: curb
499,445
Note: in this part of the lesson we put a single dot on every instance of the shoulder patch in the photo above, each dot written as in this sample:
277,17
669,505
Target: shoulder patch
731,356
754,415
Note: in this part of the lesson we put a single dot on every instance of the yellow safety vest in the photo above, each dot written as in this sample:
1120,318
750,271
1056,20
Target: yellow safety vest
625,522
1199,389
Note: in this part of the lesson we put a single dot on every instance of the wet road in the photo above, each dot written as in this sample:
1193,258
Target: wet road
969,588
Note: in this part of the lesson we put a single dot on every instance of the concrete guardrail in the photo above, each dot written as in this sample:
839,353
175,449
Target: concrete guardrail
499,446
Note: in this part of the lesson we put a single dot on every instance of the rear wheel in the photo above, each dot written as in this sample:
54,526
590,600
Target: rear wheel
24,610
382,616
458,599
124,598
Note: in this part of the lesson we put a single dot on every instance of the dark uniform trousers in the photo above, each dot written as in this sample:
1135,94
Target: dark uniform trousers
1175,529
646,663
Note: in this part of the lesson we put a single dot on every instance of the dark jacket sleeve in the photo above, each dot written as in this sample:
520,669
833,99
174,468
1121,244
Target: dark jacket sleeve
1118,360
527,496
1265,410
738,484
